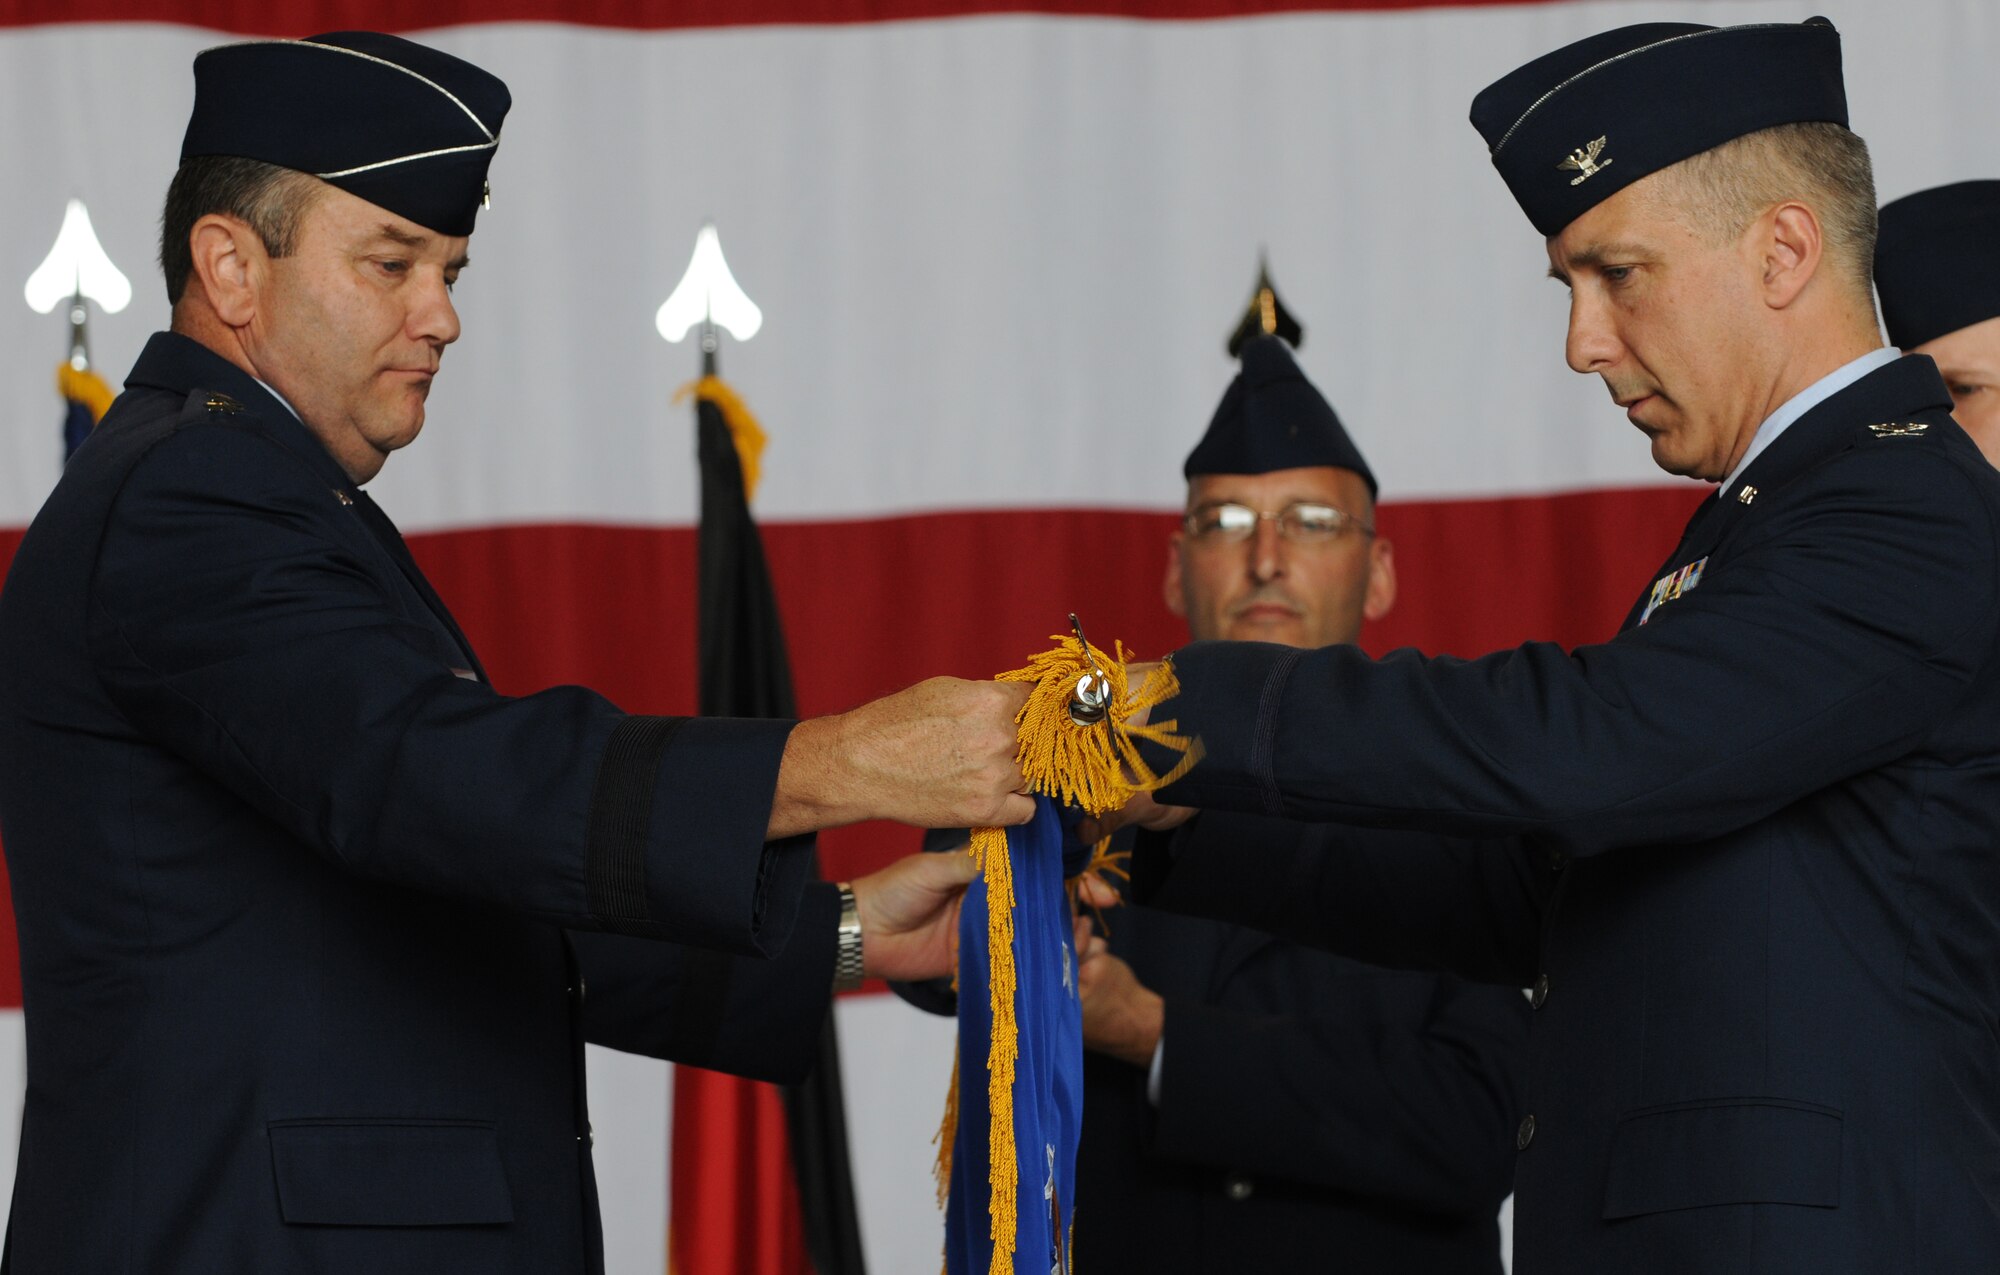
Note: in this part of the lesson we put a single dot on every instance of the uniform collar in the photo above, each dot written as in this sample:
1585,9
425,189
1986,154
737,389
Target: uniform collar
1891,387
182,365
1804,401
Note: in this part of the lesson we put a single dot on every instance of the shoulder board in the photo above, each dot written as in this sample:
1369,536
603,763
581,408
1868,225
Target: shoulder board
214,405
1900,429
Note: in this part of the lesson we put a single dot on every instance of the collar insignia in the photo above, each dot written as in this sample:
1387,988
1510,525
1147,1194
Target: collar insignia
1584,160
1912,430
1672,585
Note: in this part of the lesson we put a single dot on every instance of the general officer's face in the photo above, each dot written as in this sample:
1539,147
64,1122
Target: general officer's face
350,327
1669,319
1970,361
1267,588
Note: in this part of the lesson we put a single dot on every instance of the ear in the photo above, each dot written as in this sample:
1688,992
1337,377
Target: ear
230,267
1171,586
1793,246
1381,580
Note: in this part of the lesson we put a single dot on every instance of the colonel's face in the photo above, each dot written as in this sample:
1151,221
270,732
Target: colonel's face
1674,324
1267,588
351,326
1970,361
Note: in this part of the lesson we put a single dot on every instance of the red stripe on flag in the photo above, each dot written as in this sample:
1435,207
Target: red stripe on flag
304,17
735,1204
871,606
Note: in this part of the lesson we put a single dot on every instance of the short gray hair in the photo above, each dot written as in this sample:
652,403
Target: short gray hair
1821,165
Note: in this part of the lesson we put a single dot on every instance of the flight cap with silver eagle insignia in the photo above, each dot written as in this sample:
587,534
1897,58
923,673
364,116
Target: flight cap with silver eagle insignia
1574,127
405,127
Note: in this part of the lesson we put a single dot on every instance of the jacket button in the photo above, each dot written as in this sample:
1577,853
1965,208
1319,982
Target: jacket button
1558,860
1525,1134
1239,1189
1540,992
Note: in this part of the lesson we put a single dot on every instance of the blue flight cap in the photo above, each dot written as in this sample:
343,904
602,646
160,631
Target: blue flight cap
1574,127
404,127
1272,418
1937,261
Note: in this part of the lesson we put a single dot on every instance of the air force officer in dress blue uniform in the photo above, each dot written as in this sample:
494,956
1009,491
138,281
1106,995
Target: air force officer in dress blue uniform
1257,1106
1767,1034
313,923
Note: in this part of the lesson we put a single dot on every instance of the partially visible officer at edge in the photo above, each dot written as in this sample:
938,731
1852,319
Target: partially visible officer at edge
1937,269
1768,977
313,923
1253,1105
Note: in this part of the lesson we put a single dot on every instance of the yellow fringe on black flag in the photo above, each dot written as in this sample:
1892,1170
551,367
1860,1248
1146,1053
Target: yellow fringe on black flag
744,430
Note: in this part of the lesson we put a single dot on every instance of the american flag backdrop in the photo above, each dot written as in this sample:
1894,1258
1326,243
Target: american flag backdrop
998,248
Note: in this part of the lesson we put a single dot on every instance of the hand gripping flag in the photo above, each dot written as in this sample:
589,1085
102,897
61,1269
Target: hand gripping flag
1007,1151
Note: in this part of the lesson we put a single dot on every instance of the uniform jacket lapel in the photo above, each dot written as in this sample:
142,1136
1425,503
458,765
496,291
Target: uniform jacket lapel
1898,389
181,365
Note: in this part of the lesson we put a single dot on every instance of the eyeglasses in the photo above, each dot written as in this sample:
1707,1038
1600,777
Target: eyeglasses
1303,522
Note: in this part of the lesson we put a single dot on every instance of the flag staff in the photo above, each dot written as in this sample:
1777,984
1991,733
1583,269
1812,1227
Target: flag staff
78,270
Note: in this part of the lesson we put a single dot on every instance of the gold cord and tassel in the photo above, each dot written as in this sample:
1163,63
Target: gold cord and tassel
1098,768
85,387
744,431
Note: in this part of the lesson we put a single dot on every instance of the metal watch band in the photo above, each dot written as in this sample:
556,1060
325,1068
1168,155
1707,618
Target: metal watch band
847,957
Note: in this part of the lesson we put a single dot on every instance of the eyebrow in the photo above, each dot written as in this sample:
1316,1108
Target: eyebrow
1596,255
405,239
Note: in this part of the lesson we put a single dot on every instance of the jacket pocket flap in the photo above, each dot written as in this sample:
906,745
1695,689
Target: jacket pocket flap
1727,1151
389,1172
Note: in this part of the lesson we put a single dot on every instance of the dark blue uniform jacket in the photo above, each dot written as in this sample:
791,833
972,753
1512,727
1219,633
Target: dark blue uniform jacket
1314,1113
313,922
1768,1034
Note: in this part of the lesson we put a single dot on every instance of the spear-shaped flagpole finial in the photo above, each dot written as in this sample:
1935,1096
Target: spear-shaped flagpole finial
1266,316
709,298
77,270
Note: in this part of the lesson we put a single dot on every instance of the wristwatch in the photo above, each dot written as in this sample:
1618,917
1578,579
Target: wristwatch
847,957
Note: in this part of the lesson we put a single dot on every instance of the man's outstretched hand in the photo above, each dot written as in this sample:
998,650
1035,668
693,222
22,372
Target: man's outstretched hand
940,754
909,916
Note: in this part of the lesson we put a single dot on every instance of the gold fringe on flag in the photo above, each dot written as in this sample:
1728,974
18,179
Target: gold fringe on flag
85,387
1097,768
744,430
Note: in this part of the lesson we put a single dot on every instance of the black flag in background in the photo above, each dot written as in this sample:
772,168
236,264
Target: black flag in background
745,673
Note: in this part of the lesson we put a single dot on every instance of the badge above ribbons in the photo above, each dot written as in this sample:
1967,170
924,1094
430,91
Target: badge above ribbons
1015,941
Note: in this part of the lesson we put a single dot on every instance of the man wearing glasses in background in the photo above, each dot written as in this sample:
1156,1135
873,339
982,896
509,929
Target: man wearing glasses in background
1251,1105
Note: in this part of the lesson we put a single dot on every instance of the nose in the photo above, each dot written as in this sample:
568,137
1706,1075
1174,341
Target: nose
1593,344
433,318
1267,552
